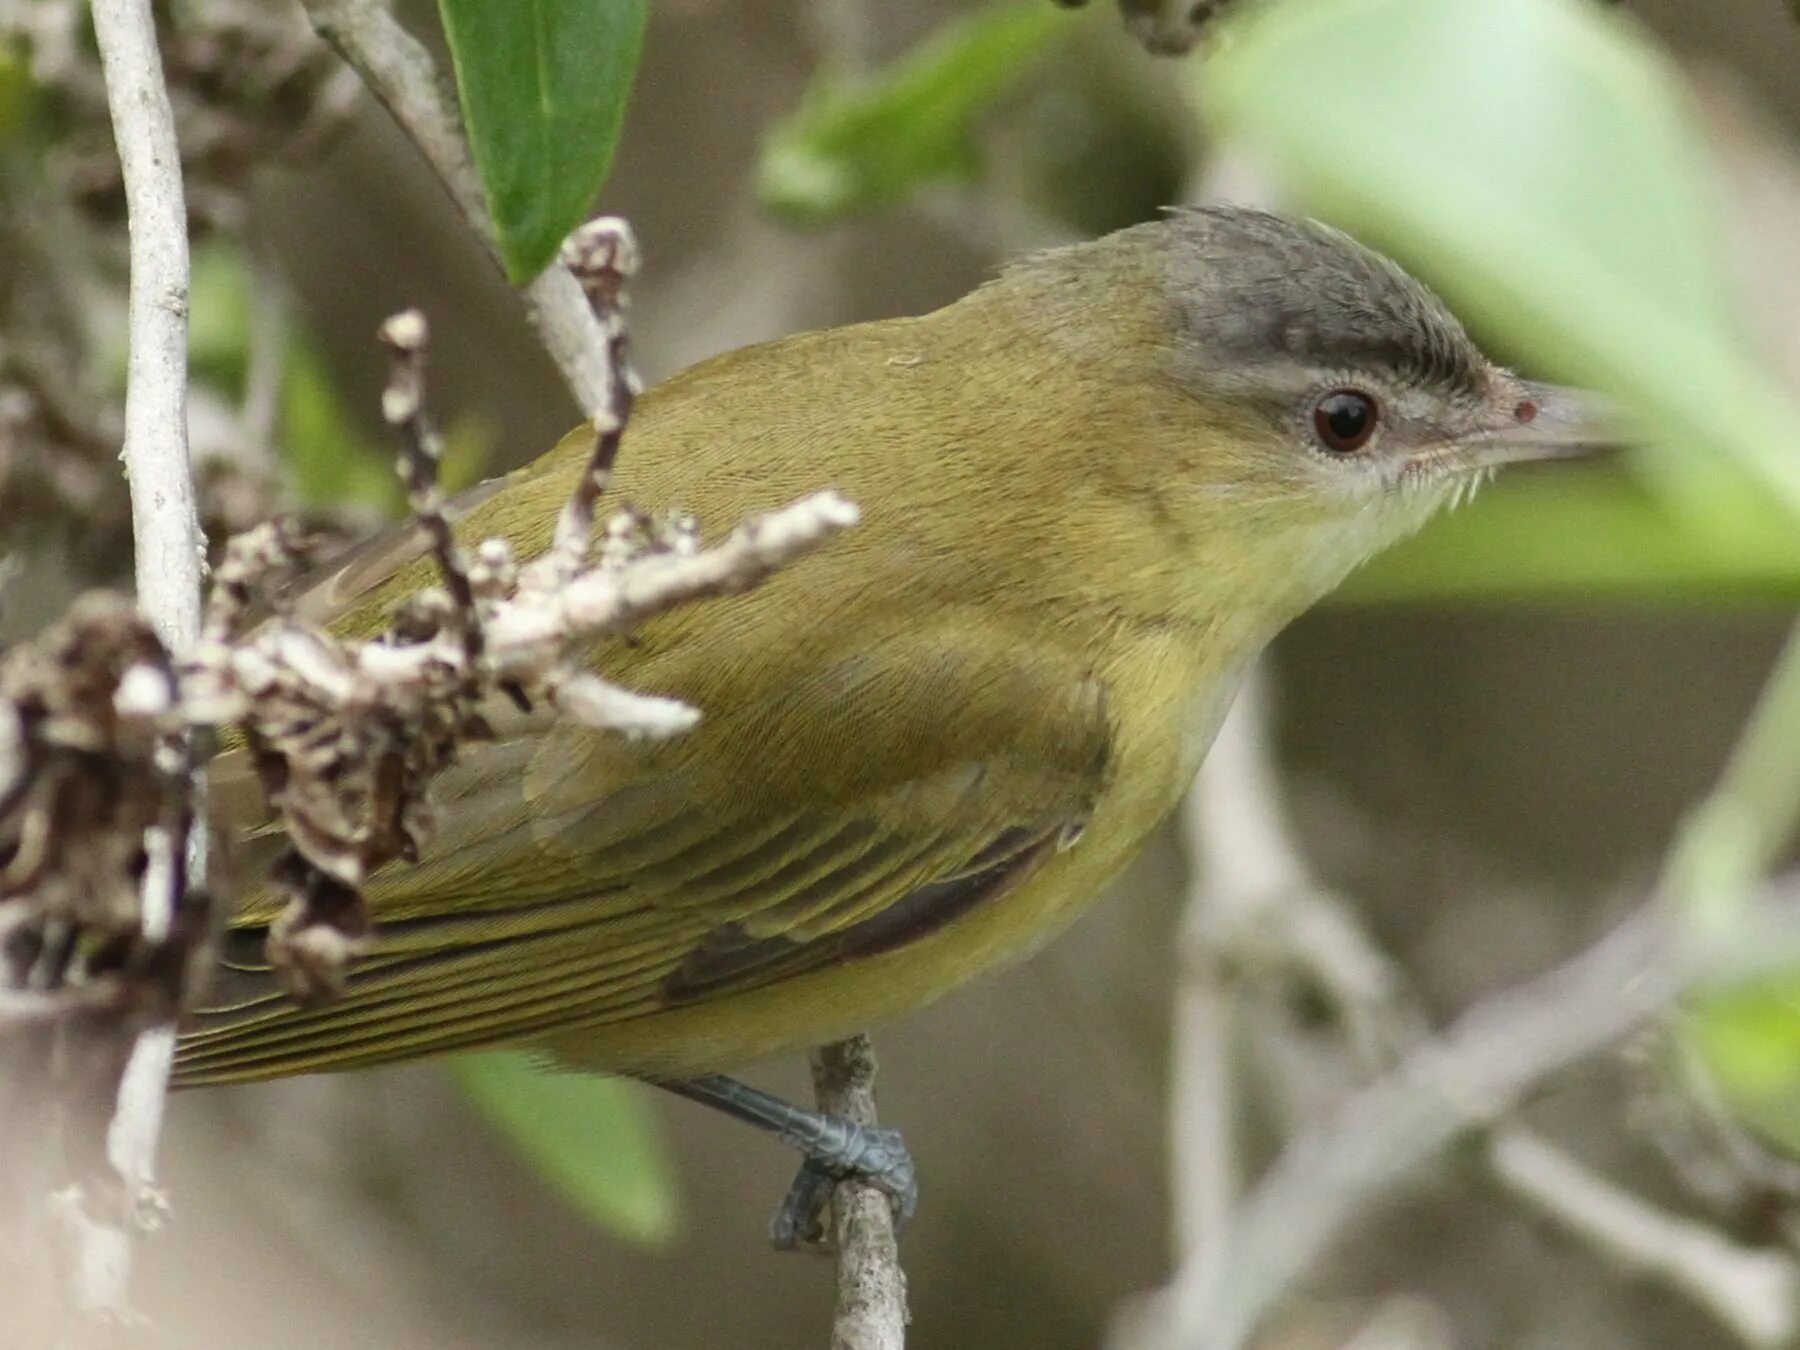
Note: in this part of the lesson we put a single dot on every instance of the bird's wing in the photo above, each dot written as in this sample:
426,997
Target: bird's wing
578,879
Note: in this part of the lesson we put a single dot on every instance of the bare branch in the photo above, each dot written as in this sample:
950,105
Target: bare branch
403,406
1754,1292
1259,911
1465,1078
871,1287
163,515
402,74
605,601
603,255
168,544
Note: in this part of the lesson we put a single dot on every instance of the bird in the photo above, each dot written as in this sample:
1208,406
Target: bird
1092,491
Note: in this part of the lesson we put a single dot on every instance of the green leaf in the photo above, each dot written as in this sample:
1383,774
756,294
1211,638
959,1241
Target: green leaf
329,459
1741,830
1570,534
544,85
593,1140
1747,1040
18,95
1536,159
219,316
857,145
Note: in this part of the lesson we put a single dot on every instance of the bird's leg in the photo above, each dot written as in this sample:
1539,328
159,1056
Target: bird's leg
833,1150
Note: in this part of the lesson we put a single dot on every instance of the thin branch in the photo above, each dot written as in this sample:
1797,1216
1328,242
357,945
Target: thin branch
1466,1078
402,74
163,516
1404,1322
1255,909
168,544
1754,1292
1739,832
603,256
871,1287
1259,911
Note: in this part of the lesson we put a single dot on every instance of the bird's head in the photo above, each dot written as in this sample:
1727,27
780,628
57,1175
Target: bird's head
1313,403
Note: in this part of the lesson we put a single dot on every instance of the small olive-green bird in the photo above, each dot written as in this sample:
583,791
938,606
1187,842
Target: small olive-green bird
1091,491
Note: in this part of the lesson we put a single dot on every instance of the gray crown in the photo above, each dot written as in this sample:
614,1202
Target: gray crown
1249,286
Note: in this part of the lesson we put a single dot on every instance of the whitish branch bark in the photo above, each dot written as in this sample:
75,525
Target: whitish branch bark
163,516
1464,1079
168,543
871,1287
1753,1292
401,73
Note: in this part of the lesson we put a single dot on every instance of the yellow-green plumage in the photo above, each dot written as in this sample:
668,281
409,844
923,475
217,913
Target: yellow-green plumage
923,749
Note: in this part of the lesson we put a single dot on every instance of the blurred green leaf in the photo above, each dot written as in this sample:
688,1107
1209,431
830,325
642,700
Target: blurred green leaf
1746,1037
1747,1041
1740,831
593,1140
1536,159
329,460
544,85
219,316
17,93
1561,533
856,145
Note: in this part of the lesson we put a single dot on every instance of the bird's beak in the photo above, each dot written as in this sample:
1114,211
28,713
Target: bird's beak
1546,421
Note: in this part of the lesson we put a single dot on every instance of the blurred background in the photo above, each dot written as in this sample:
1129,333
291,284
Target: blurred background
1492,781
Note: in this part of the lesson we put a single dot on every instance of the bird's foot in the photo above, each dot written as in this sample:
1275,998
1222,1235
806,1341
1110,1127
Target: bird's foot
837,1151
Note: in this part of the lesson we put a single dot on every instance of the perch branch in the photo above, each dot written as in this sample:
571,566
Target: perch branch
402,74
871,1287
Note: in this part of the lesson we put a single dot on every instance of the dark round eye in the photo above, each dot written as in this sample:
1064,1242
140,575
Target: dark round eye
1344,420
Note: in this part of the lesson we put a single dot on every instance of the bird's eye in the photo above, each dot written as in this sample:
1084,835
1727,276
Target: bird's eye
1344,420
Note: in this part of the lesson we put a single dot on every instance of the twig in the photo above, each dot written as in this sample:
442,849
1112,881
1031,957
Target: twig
871,1287
1404,1322
1743,826
403,408
168,544
602,255
402,74
1754,1292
